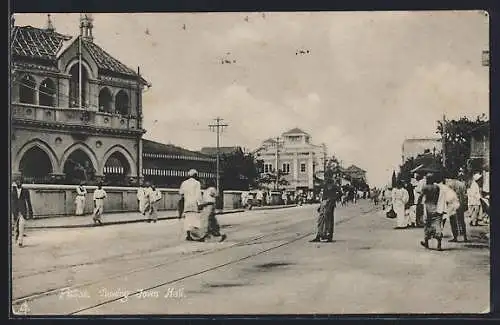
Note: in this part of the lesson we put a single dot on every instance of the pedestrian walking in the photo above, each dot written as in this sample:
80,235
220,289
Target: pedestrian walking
208,216
153,196
21,209
474,200
284,198
399,199
419,208
99,196
191,191
81,192
142,199
259,197
325,221
457,221
434,207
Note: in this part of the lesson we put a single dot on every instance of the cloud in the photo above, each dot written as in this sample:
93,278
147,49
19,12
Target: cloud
371,80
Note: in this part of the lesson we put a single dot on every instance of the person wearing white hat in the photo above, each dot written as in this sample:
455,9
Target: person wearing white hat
474,200
190,191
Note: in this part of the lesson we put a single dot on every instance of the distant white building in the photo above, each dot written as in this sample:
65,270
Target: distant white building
414,147
295,155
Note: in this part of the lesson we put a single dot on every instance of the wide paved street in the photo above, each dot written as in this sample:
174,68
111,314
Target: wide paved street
267,265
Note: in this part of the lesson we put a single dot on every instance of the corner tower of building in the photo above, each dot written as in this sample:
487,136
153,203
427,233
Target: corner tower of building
76,111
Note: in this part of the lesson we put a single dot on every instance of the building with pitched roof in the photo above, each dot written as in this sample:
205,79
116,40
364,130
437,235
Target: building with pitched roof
167,165
76,111
295,156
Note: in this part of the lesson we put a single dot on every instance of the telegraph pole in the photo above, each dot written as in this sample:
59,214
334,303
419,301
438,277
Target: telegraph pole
443,144
277,162
218,127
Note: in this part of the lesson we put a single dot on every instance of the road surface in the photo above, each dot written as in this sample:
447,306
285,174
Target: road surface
267,265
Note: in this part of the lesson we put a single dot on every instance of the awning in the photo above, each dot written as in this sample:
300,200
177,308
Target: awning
173,173
114,166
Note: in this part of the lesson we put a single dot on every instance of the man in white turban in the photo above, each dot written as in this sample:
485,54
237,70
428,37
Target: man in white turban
190,191
474,200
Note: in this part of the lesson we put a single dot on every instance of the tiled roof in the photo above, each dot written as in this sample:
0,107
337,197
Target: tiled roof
35,66
149,146
211,151
354,168
105,61
36,43
295,131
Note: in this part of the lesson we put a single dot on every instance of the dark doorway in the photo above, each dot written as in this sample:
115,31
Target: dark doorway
78,167
35,166
116,170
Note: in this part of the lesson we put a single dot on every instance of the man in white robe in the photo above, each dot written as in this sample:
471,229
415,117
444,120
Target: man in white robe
399,200
141,198
191,191
99,196
81,192
153,196
474,200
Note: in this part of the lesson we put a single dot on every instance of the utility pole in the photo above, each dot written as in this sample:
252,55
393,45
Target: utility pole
218,127
277,162
443,140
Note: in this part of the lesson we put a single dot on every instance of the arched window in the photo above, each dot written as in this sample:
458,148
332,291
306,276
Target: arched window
47,93
27,90
78,167
116,168
35,166
105,100
74,90
121,103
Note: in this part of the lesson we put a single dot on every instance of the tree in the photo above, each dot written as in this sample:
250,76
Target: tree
268,180
239,170
426,159
457,141
394,179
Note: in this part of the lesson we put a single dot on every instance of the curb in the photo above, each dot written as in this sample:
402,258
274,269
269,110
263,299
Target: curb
111,223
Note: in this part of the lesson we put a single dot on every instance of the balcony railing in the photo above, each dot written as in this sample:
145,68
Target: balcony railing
73,116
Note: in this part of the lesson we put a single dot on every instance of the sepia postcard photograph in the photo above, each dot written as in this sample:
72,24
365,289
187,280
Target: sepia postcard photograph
235,163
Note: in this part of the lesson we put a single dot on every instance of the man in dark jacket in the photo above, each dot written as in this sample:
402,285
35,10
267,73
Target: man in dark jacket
21,209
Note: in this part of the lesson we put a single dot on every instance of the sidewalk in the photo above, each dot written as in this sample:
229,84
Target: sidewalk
119,218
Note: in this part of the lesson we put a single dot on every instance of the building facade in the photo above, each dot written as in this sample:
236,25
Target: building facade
76,112
414,147
167,165
480,148
295,156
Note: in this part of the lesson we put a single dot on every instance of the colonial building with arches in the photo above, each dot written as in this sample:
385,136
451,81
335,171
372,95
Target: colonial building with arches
76,111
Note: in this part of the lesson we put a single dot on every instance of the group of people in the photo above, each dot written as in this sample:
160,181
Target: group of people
149,198
198,209
260,197
431,199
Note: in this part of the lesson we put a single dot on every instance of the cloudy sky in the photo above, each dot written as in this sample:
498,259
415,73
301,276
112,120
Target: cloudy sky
370,80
